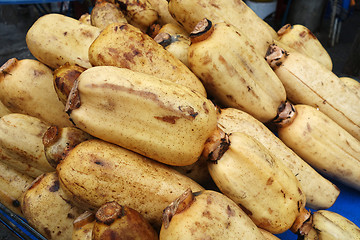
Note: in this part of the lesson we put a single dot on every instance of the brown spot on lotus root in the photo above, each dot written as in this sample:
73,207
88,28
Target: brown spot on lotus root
38,72
109,105
207,214
270,181
205,108
308,127
230,212
188,109
113,51
227,224
283,193
99,162
47,233
209,200
229,68
206,59
100,57
302,34
214,5
124,27
168,119
239,2
87,34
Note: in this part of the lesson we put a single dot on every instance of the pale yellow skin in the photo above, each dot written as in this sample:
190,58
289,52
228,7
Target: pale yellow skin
66,139
198,172
308,82
47,208
332,226
17,162
55,39
172,29
325,145
125,46
85,18
311,235
21,143
320,192
268,235
105,13
140,13
301,39
237,13
26,86
211,215
164,121
83,226
179,48
352,83
12,185
259,182
83,232
161,7
234,74
96,172
283,46
3,109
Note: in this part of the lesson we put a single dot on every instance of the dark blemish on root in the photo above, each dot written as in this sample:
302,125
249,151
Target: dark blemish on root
55,187
168,119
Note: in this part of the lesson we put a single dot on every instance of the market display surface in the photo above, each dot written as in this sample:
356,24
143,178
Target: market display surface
177,120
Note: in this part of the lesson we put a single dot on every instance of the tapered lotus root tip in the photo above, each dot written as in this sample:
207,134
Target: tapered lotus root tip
7,67
275,56
303,223
201,31
64,78
216,145
73,101
286,114
284,29
183,202
109,212
164,39
50,136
